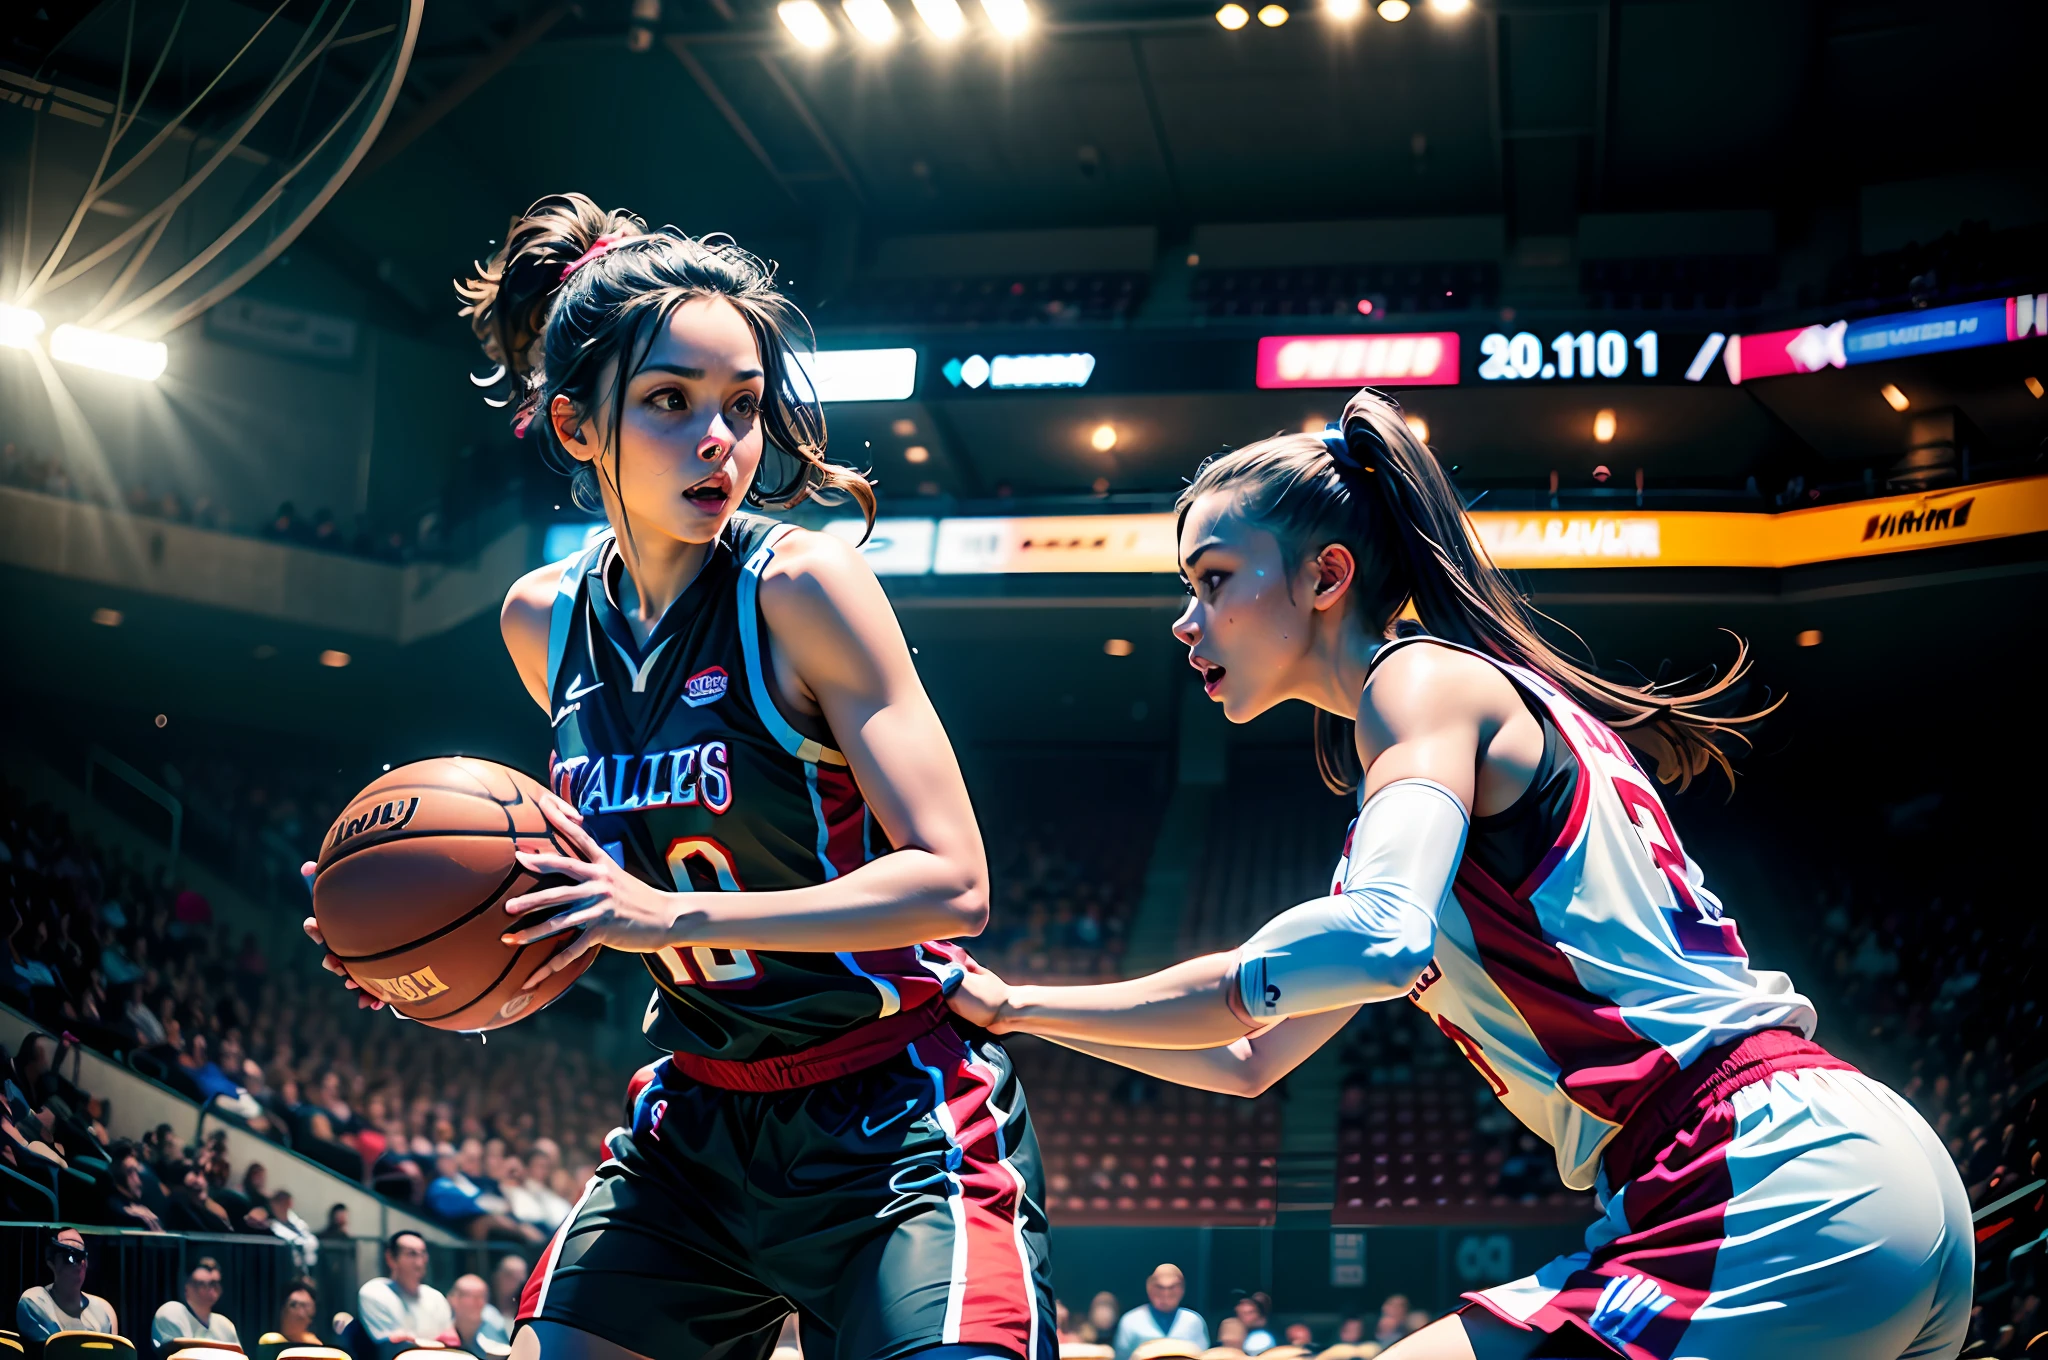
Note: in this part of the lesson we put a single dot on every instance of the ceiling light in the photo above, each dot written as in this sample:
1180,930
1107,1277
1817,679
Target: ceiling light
1233,17
334,660
1809,637
1418,427
107,618
1118,647
1009,17
1104,438
1450,6
873,19
1393,11
942,17
129,357
1603,426
2034,386
806,22
1101,486
1272,16
1346,10
905,428
1893,397
917,453
1314,424
19,326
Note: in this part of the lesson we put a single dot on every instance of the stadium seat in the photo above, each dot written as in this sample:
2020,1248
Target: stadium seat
88,1346
269,1344
10,1346
313,1353
183,1343
184,1349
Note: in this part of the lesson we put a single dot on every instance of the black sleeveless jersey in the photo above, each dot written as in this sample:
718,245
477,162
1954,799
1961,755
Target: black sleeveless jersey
689,774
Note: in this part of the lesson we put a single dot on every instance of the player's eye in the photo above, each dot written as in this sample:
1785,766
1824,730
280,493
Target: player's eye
668,399
746,405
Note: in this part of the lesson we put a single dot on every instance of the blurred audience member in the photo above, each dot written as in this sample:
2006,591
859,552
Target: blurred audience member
295,1319
1161,1317
62,1305
194,1318
402,1306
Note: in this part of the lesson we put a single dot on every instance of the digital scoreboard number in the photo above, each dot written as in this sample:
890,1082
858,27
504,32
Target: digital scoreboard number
1524,357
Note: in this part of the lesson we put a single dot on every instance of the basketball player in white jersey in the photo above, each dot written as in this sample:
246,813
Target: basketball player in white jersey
1513,873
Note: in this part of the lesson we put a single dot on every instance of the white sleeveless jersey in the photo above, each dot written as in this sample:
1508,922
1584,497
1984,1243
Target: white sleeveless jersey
1575,993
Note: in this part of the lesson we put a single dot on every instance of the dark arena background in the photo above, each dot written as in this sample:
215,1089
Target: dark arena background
1723,316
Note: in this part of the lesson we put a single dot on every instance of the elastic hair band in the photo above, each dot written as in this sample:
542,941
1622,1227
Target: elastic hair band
1340,450
597,248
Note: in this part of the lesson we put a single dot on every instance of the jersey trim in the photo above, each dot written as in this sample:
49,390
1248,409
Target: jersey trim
562,614
749,594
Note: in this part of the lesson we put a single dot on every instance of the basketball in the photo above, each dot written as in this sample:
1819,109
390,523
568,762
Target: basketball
409,884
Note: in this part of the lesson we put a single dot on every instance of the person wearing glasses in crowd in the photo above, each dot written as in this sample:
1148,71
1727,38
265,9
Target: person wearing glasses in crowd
195,1318
62,1305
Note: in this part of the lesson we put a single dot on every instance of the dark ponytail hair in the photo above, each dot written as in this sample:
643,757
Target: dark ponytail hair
552,329
1375,488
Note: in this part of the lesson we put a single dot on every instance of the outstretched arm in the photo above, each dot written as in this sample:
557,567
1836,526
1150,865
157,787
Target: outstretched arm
1419,732
834,634
1248,1067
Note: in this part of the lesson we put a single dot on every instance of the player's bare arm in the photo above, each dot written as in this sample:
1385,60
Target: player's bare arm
1424,717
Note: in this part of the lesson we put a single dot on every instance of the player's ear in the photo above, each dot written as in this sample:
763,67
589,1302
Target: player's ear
571,428
1335,569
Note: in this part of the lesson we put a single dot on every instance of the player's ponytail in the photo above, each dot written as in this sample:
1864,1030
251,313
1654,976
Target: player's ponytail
575,287
1374,487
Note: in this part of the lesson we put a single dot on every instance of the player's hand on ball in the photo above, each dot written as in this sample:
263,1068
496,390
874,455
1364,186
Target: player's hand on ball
607,905
364,1001
981,998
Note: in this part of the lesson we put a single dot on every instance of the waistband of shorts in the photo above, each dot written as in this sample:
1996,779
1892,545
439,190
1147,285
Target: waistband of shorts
843,1054
1716,1075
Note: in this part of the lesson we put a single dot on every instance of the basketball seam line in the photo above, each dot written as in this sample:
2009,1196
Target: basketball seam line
457,923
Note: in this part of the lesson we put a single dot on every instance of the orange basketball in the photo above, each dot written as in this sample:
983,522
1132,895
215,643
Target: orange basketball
410,887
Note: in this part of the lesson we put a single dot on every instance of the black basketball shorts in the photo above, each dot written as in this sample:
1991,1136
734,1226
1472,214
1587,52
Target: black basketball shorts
895,1209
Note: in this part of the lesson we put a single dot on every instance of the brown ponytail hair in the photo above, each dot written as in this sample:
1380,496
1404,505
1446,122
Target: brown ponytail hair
1381,493
552,330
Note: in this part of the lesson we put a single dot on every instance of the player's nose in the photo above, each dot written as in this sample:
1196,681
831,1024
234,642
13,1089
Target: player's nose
1185,628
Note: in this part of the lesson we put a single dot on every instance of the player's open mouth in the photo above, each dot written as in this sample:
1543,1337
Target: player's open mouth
710,494
1212,674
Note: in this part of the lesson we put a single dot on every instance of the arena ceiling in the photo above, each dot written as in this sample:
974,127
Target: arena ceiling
1139,112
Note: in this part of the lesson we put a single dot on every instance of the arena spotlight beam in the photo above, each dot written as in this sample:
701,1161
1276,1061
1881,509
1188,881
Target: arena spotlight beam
19,326
1008,17
806,23
873,20
109,353
942,17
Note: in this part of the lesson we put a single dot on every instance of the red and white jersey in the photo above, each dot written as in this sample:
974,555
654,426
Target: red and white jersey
1576,992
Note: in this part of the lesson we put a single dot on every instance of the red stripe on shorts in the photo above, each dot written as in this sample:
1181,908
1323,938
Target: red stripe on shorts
998,1298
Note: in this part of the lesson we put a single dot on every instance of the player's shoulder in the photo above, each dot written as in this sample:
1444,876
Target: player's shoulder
1422,680
809,561
531,598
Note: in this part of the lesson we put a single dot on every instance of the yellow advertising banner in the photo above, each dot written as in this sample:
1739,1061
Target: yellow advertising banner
1553,539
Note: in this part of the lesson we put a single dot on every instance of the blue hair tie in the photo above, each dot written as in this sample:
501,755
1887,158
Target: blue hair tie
1340,450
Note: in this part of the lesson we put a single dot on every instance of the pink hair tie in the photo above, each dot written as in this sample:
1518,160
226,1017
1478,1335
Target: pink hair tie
597,248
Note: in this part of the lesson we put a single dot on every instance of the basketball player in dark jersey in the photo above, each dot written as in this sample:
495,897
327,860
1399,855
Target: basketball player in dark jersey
763,805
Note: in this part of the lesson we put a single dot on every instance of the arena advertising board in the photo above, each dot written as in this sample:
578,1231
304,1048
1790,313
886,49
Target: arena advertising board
1519,540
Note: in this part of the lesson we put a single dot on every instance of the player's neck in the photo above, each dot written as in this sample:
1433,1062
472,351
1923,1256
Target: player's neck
1336,667
657,572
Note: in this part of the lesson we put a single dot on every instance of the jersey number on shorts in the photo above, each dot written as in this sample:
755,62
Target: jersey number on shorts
701,864
1698,924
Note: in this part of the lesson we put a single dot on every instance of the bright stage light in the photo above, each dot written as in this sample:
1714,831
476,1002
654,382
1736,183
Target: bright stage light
942,17
1008,17
841,375
917,453
129,357
1893,397
1233,17
1104,438
1603,426
806,22
1450,6
1272,16
1393,11
1418,427
873,19
1347,10
19,326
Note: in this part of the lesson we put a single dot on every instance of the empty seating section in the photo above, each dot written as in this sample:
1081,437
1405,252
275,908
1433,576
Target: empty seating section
1122,1148
1420,1138
1096,297
1678,282
1265,852
1958,266
1336,290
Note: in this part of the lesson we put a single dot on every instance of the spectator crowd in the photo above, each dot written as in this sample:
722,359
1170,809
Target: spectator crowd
390,1313
1163,1327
